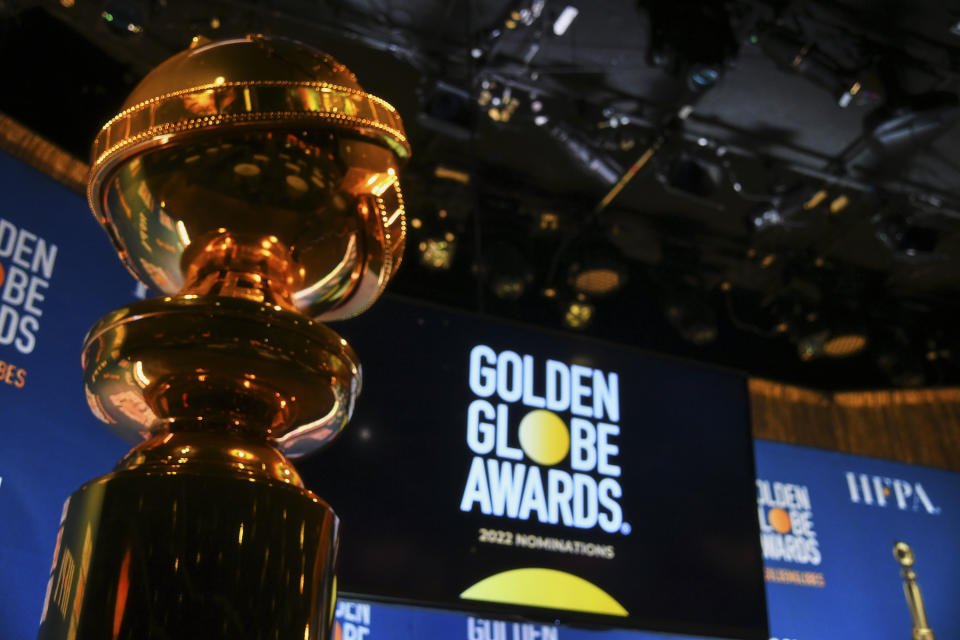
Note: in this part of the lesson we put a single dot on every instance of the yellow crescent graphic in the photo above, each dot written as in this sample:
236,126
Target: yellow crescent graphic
550,588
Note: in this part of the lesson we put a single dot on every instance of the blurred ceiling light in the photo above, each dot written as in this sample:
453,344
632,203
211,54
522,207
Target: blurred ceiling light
578,314
436,253
446,173
564,20
844,345
597,281
831,344
816,199
839,204
549,221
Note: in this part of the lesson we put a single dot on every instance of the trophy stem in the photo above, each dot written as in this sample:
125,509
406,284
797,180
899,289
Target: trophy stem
194,535
240,265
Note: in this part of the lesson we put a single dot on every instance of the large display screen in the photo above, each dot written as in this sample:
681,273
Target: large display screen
365,620
494,467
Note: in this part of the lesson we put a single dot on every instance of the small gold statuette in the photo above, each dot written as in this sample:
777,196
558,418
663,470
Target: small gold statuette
904,555
254,183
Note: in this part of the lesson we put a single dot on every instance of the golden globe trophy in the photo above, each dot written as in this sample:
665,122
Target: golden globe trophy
254,183
904,555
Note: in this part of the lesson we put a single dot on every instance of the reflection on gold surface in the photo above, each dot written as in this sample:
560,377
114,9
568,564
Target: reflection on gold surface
256,185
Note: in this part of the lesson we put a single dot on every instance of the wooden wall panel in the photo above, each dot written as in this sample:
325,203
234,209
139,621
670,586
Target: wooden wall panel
25,145
914,426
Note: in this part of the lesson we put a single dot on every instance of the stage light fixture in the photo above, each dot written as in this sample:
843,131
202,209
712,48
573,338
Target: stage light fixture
437,253
598,281
564,20
819,341
595,267
578,313
842,345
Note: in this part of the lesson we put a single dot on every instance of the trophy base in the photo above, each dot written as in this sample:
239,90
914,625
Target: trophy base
146,554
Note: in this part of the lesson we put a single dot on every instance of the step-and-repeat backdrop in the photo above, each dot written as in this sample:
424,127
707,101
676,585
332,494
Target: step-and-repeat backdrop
586,503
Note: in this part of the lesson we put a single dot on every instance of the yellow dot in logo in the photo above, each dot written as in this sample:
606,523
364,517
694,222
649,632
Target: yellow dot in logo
544,437
779,520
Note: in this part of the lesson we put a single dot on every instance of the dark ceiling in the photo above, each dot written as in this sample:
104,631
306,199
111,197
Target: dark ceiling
793,207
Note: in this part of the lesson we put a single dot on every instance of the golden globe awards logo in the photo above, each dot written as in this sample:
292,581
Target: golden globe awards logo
352,621
787,533
26,267
544,439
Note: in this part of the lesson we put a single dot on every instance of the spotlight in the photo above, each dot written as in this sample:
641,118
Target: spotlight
578,313
437,253
548,221
596,268
597,281
843,345
564,20
448,173
598,271
831,344
498,101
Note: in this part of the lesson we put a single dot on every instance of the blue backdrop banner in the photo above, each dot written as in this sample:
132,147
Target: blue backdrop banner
829,523
58,275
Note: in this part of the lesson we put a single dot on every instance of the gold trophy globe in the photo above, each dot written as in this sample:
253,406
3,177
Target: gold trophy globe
254,183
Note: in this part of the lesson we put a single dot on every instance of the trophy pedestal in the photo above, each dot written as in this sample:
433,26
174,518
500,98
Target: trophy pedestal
179,543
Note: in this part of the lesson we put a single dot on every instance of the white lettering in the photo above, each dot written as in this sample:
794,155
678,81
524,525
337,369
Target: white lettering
504,450
580,391
480,435
558,386
583,438
509,376
530,398
476,489
605,450
8,238
24,248
483,377
606,396
533,497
